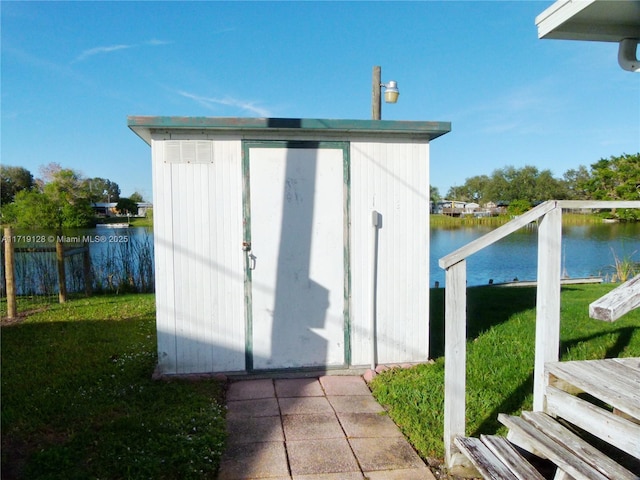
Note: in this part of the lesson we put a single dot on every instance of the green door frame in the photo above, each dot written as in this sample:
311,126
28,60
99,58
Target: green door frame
247,145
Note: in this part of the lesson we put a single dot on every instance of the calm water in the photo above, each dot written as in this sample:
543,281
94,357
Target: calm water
587,250
119,256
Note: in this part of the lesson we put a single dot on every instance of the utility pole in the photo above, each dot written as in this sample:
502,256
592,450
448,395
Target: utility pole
375,93
390,95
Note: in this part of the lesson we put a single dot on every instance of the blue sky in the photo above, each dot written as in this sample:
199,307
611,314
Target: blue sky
73,71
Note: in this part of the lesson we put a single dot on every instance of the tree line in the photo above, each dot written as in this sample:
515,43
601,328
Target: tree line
59,198
63,198
615,178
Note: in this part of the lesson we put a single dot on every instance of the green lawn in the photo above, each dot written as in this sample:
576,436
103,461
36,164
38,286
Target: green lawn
500,355
78,400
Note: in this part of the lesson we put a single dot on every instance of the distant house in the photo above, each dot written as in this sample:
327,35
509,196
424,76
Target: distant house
143,207
454,208
108,209
470,208
105,209
501,207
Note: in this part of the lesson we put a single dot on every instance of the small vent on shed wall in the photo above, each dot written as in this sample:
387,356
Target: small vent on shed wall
188,151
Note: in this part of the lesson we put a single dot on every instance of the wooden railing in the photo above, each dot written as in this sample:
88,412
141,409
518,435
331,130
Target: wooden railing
617,302
549,217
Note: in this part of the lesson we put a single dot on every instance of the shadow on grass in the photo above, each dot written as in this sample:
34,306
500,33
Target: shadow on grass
509,405
78,401
491,306
623,340
486,307
513,402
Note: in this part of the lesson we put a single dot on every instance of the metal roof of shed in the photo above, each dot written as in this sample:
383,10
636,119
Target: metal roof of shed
144,126
596,20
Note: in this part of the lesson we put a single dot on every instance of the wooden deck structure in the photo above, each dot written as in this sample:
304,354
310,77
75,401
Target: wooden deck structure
600,398
551,434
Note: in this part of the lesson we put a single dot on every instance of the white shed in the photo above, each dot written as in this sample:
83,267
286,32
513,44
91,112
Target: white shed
265,243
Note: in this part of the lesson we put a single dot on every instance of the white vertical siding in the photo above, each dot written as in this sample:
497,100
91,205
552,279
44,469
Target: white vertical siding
198,225
163,257
393,179
199,263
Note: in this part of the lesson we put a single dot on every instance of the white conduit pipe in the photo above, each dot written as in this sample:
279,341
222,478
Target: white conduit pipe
376,223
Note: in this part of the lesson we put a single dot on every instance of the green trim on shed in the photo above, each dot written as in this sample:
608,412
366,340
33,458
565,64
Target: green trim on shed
145,126
246,244
247,145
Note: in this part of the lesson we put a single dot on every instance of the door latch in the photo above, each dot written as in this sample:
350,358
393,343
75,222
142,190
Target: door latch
246,246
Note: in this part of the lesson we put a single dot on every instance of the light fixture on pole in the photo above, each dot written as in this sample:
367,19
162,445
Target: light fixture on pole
390,95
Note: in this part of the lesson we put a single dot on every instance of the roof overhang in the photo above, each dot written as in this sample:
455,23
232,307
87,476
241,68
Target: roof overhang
595,20
146,126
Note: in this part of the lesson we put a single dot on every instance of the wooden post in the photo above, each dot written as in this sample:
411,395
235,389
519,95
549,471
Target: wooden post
9,264
62,277
455,358
547,300
86,266
375,94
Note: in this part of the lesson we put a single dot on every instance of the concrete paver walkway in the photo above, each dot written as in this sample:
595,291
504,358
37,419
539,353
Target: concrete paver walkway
327,428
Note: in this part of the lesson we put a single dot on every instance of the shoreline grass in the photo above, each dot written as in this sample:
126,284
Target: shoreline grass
447,221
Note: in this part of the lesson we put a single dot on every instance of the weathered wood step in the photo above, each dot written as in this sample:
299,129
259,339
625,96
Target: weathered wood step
613,429
511,457
485,461
614,382
496,458
543,436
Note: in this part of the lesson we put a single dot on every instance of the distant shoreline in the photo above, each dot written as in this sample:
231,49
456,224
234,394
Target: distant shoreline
440,220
